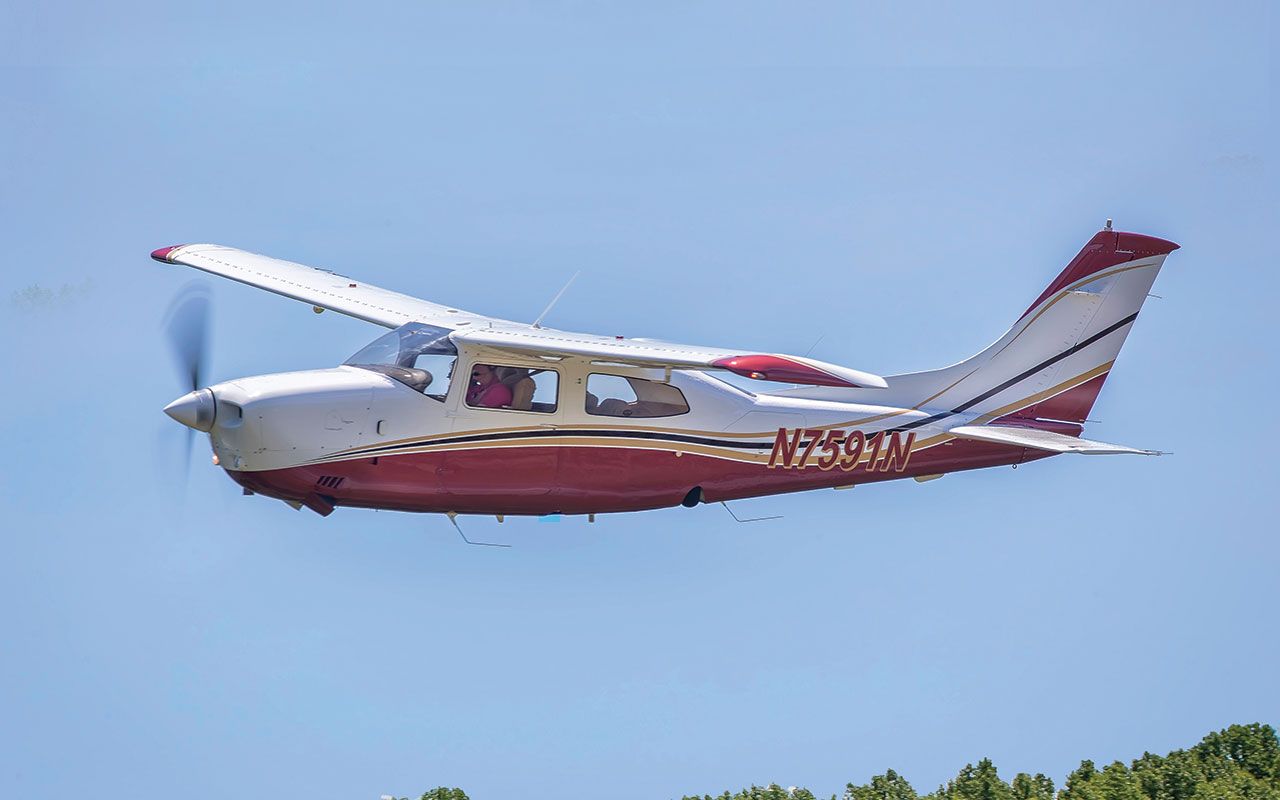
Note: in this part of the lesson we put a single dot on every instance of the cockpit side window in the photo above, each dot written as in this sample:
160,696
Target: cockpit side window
619,396
513,388
418,355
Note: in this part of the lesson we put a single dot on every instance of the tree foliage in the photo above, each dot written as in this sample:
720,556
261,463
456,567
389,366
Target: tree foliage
1241,762
771,792
975,783
1028,787
889,786
442,793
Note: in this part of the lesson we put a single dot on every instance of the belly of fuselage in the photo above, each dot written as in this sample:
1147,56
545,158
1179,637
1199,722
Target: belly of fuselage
584,480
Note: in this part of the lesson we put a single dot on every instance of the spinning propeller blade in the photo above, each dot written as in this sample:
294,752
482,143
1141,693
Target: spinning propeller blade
187,327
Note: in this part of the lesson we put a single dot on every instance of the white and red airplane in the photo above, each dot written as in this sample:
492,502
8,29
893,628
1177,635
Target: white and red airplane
459,413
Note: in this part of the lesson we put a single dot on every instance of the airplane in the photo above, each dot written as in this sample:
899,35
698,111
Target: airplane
457,413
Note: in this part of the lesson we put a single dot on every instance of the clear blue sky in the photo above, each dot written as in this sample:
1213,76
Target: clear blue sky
901,182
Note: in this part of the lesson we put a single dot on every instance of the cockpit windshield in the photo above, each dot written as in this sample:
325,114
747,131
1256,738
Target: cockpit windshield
418,355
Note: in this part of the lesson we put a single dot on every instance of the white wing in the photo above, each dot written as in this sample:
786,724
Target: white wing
318,287
326,289
650,353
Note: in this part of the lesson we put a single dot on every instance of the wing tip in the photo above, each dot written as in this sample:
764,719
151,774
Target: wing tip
792,369
870,381
163,253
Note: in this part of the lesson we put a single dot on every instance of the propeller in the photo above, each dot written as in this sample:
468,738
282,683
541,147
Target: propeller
186,326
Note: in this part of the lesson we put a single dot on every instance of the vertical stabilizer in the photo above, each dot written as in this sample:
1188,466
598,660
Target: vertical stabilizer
1052,363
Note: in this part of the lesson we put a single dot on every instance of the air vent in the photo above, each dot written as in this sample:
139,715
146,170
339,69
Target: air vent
330,481
229,415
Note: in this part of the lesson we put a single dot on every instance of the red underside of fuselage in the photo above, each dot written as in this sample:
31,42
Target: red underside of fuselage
580,480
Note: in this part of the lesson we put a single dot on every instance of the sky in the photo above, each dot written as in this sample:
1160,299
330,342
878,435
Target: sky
894,183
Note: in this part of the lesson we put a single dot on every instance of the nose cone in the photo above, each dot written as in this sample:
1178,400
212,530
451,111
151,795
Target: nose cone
194,409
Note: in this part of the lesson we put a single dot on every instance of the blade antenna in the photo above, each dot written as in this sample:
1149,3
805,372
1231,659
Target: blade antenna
537,323
816,342
453,518
736,518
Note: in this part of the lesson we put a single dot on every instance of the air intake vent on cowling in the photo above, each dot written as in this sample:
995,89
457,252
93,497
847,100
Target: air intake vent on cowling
330,481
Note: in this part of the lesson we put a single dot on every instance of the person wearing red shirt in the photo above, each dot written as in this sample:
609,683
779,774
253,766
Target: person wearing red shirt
486,391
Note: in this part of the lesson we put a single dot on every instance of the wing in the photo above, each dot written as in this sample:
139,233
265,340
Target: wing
318,287
325,289
528,340
1043,440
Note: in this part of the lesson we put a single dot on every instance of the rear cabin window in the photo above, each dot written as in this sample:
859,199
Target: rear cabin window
617,396
513,388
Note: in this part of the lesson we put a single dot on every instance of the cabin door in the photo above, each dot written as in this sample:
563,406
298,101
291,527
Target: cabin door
505,451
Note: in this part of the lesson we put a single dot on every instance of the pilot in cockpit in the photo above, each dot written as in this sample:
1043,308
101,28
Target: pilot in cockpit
485,389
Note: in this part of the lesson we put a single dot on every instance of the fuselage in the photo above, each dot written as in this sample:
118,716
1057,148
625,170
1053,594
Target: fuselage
352,436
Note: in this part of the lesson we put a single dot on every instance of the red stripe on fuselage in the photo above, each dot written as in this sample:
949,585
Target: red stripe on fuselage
582,480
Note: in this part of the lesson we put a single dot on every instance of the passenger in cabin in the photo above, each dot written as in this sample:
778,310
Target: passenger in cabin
486,390
521,384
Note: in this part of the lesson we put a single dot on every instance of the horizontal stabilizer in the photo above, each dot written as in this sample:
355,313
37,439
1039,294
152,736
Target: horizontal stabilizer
1043,440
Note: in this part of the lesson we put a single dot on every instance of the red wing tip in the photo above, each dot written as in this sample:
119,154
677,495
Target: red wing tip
163,253
779,368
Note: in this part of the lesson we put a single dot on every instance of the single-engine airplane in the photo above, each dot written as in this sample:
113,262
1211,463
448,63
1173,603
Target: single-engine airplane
453,412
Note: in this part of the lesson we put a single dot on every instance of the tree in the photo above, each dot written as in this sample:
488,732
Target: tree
1077,785
889,786
442,793
1026,787
1251,748
977,783
771,792
1241,762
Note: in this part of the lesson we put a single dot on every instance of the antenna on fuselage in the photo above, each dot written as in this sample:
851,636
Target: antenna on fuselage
537,323
453,518
816,342
736,518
